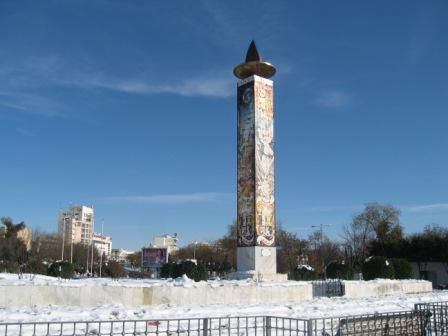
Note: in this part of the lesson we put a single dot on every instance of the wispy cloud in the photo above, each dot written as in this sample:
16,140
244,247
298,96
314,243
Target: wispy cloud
211,87
333,99
171,198
31,103
426,207
51,71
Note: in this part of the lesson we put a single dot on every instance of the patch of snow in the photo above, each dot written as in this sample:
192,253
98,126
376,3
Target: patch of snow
304,266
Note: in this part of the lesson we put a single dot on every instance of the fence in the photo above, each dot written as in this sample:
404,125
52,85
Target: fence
328,288
429,319
219,326
435,315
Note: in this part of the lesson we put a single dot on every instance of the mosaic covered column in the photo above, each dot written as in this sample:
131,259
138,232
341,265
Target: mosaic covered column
256,177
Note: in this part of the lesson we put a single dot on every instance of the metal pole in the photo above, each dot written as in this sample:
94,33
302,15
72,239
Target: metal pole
71,243
101,257
91,242
63,238
87,261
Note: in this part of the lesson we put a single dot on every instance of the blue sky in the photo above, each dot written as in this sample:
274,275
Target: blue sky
130,106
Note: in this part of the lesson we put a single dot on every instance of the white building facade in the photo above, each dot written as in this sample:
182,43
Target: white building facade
120,255
103,244
76,224
168,241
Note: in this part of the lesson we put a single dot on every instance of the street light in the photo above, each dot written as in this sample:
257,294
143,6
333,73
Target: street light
321,238
63,237
102,246
194,250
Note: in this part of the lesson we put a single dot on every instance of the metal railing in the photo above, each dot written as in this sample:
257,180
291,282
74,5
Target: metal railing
435,316
328,288
427,319
217,326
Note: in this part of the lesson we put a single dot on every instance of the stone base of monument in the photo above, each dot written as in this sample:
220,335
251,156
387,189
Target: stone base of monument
258,263
257,276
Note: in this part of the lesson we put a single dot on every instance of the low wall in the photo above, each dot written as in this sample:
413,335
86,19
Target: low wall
133,293
375,288
14,295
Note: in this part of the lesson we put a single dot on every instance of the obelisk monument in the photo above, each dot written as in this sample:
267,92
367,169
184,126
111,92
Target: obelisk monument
256,251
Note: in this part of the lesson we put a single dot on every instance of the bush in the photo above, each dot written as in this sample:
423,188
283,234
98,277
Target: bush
190,269
168,270
338,270
377,267
36,266
62,269
199,273
402,268
303,273
115,270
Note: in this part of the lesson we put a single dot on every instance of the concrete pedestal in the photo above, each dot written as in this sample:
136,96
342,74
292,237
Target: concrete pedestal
258,263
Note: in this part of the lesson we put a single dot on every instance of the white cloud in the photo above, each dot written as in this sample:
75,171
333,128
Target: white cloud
211,87
333,99
427,207
30,103
34,73
171,198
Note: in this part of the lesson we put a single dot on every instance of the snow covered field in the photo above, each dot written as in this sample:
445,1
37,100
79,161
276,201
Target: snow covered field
315,308
319,307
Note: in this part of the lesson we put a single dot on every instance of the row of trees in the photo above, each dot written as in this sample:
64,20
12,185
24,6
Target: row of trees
46,250
376,231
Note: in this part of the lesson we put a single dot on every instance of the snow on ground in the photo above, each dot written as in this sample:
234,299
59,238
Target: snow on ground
318,307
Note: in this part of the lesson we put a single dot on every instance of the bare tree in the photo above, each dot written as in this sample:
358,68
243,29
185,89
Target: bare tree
379,223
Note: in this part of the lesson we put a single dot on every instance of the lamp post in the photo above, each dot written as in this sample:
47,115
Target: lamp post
71,242
321,238
63,237
194,250
102,246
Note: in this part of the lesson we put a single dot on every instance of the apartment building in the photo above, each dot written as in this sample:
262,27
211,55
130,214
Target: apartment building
103,244
76,224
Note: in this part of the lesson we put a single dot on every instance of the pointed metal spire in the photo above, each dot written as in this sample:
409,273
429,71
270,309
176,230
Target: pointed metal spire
254,65
252,53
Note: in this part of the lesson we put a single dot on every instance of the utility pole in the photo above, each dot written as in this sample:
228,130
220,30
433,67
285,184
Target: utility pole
91,242
72,217
63,238
194,250
102,249
321,238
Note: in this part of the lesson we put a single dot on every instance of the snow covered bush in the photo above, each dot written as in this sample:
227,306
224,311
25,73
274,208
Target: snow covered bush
377,268
304,272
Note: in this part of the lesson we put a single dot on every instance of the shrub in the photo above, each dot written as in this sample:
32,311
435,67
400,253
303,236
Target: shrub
377,267
168,270
190,269
304,272
62,269
402,268
36,266
338,270
115,270
199,273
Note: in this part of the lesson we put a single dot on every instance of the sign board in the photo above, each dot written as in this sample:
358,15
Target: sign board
153,257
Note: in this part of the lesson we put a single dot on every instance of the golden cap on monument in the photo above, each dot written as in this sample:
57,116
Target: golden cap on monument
254,65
